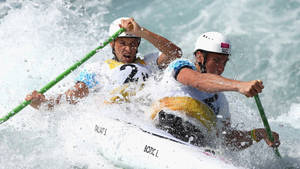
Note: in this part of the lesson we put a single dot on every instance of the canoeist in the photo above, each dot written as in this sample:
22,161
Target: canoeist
193,104
123,67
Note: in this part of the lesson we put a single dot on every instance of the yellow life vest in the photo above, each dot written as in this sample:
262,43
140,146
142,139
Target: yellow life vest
113,63
187,106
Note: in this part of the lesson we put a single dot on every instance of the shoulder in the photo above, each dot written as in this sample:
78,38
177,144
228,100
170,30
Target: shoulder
151,58
178,64
111,64
89,74
174,67
152,55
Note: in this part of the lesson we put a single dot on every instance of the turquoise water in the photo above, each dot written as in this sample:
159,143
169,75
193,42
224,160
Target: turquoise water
41,38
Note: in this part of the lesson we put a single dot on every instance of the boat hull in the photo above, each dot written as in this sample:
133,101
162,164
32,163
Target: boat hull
130,146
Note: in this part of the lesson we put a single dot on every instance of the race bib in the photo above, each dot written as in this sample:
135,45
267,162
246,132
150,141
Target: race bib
130,72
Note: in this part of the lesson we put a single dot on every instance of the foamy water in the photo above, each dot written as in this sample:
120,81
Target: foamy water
40,39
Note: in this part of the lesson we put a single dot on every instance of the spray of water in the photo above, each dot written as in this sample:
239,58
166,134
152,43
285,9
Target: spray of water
40,39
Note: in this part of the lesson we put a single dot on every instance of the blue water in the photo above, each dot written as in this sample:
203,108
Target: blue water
41,38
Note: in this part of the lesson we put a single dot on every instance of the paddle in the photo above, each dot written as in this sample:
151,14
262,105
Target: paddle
63,75
266,123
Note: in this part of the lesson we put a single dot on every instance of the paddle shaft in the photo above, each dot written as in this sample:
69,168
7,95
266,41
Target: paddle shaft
62,75
266,123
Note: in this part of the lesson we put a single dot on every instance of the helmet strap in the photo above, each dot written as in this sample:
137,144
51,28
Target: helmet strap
114,53
203,65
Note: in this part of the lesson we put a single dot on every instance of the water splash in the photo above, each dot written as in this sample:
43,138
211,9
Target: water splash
39,39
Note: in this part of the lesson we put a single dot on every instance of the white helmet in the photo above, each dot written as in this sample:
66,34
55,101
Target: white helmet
114,27
213,42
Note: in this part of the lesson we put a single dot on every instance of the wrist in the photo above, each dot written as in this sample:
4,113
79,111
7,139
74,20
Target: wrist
143,32
239,87
254,135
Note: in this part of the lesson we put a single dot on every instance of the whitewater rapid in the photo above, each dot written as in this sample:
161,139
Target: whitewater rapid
39,39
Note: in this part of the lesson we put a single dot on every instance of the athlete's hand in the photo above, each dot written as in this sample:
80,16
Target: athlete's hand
262,134
251,88
131,27
36,99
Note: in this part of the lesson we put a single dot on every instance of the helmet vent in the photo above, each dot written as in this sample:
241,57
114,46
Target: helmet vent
213,42
207,37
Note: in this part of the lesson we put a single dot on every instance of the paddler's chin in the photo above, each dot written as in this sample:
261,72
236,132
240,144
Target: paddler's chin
128,59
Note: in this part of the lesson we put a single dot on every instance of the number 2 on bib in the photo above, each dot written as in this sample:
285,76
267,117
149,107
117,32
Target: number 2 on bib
134,71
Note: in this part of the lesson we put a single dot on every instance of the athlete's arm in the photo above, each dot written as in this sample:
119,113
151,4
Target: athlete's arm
212,83
169,50
239,140
72,95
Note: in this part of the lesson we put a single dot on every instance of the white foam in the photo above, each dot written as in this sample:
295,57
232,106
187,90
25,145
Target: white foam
292,117
40,39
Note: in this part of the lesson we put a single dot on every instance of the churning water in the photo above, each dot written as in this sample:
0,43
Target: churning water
39,39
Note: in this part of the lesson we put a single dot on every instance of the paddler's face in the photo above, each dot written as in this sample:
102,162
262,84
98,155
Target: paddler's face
125,49
215,62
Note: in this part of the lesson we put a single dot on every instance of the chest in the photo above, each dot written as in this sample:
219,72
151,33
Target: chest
131,72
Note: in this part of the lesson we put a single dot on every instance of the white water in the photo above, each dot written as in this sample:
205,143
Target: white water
40,39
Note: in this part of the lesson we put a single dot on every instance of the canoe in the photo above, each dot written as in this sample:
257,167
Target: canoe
129,146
